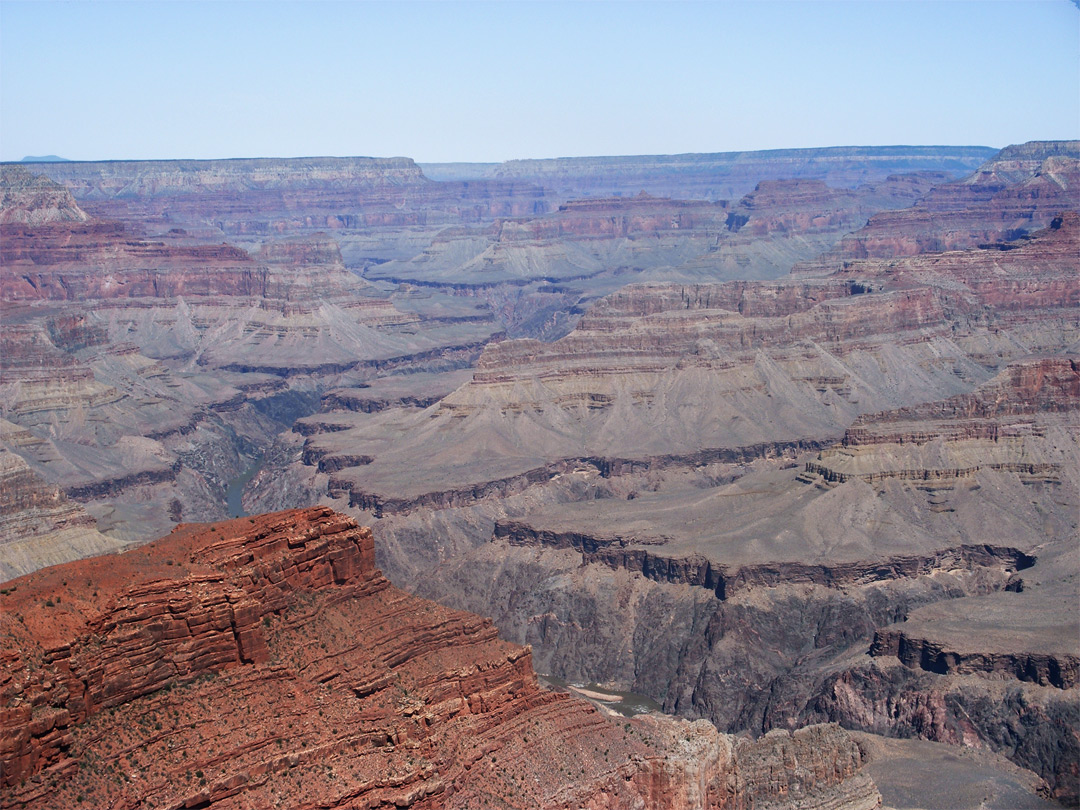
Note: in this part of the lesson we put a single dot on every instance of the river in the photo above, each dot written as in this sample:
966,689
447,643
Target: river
625,703
234,491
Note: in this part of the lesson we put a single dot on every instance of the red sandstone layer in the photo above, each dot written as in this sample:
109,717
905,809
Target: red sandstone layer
266,662
1017,192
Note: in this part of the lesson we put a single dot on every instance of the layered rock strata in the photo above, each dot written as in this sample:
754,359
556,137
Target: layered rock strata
154,370
934,590
655,373
679,580
718,176
32,199
265,197
1018,191
610,451
39,525
593,246
119,673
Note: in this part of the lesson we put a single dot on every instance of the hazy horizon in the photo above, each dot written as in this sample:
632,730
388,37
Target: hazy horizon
474,82
62,159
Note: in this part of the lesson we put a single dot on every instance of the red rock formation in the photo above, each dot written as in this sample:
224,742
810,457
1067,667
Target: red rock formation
266,662
1017,192
1029,273
66,263
1024,388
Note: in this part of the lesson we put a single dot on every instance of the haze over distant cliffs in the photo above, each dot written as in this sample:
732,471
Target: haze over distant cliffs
773,439
722,175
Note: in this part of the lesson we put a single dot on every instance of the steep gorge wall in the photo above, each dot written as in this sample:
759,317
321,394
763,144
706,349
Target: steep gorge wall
266,661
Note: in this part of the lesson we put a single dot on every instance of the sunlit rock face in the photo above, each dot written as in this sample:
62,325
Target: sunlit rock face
141,374
31,199
1017,192
846,495
266,661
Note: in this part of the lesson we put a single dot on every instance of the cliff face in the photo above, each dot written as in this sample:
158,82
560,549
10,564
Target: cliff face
267,662
66,263
961,671
29,198
1024,388
153,369
1000,425
593,245
652,501
728,175
1025,273
916,580
266,197
660,372
39,525
643,519
1017,192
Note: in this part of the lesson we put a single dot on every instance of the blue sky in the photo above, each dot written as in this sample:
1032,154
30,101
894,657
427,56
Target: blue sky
450,81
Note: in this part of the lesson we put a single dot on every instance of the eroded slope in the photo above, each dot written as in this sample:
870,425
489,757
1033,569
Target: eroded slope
266,662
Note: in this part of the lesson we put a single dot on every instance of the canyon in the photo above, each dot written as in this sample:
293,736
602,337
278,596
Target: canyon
785,441
352,693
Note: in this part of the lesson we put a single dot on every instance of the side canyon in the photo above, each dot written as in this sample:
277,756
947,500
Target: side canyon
785,441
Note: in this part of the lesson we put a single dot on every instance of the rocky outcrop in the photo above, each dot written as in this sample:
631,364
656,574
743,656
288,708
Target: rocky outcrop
725,581
1028,273
1017,192
39,525
1001,425
1024,388
266,660
818,766
1061,671
33,200
1034,726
